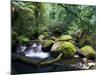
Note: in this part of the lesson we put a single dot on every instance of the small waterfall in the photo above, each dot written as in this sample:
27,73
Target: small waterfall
34,51
21,48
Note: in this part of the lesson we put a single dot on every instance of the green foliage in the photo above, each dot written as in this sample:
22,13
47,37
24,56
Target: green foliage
22,39
60,18
14,38
57,29
27,18
14,34
32,19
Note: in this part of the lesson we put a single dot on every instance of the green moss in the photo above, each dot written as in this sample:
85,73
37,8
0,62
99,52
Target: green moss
88,51
41,37
65,38
67,48
47,43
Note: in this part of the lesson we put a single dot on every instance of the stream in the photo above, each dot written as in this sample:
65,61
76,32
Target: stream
35,52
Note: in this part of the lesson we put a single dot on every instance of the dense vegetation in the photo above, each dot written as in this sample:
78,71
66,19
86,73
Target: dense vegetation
32,19
64,33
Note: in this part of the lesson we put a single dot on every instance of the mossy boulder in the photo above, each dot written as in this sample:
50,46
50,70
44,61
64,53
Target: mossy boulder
67,48
54,38
47,43
88,51
65,38
41,37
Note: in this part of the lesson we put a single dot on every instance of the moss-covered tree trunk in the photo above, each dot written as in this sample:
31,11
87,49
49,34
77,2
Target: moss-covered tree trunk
38,13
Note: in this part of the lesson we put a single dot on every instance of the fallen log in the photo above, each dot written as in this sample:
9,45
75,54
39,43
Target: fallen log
34,62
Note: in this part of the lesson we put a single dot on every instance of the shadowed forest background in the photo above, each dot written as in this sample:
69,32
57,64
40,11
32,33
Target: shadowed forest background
29,20
50,23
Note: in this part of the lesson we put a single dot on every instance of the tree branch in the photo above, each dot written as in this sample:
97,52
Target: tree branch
74,14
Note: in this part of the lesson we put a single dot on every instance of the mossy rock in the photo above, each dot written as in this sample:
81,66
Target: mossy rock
88,51
45,34
67,48
47,43
42,37
65,38
55,46
55,38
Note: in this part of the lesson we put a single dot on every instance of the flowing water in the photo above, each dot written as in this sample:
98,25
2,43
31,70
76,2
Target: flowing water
35,52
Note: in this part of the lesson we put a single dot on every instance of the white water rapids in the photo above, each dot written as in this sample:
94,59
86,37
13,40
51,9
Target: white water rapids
34,51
